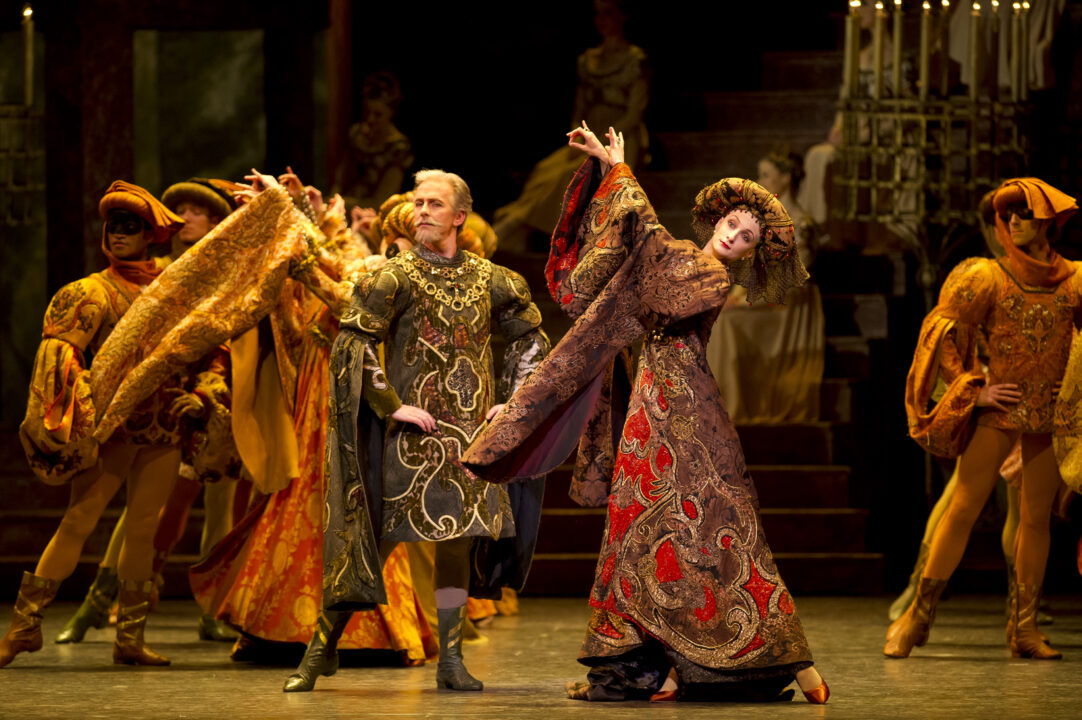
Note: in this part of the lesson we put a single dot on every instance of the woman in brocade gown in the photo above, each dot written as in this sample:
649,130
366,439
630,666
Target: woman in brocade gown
686,599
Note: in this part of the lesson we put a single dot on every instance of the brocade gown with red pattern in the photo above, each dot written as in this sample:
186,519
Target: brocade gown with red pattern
685,572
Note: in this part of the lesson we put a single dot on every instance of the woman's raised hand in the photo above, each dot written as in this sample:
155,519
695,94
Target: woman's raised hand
590,145
616,146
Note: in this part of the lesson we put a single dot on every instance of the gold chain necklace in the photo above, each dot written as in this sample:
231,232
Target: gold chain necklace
424,274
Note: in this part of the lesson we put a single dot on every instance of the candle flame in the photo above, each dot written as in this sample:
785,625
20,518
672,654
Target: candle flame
878,6
1017,6
854,3
897,3
995,4
927,6
977,7
1025,6
946,3
27,11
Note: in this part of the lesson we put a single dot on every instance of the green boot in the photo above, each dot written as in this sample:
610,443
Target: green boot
94,612
451,673
321,657
217,630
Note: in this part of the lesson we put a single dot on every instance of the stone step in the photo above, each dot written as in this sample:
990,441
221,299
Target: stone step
26,531
803,573
806,443
803,70
727,153
780,110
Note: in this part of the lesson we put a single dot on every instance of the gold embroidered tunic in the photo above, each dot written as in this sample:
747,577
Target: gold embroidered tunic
435,317
1028,330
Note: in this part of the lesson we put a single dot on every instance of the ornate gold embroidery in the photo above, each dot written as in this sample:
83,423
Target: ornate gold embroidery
464,295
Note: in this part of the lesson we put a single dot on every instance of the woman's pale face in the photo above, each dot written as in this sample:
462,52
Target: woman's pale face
772,179
735,236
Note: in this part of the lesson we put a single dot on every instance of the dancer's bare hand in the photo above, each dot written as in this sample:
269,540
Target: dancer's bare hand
616,146
261,182
999,396
291,182
494,411
589,143
361,219
415,415
186,403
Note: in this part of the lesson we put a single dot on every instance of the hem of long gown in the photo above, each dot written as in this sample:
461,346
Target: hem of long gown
640,672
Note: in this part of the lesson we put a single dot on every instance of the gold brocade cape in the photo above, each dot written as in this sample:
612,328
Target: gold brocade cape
218,289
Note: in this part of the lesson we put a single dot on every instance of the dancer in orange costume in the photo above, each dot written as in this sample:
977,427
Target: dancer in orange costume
1029,303
57,433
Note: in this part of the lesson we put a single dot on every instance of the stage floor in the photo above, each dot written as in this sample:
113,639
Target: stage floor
964,672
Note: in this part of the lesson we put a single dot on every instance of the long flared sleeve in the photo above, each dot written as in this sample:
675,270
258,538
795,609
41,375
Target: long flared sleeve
947,349
215,291
60,416
360,399
619,273
519,321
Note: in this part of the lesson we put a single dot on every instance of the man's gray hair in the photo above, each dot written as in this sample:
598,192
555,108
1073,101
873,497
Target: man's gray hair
461,196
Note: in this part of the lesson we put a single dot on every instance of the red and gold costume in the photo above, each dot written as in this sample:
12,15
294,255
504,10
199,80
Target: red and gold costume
685,577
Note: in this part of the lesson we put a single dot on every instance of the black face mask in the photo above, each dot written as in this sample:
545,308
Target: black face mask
1023,212
124,223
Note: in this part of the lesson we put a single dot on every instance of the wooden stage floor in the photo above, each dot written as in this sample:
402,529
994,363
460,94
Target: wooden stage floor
965,671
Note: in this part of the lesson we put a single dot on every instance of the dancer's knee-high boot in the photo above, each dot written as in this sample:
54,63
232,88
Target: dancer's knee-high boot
94,612
912,628
133,606
321,657
451,673
24,633
1026,640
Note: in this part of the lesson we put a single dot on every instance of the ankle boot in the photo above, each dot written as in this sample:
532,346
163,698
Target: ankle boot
906,598
94,612
451,673
912,628
24,633
1025,639
321,657
131,620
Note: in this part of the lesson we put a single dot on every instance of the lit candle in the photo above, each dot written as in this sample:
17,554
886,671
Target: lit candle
851,71
925,49
944,49
1016,38
993,53
896,62
1023,55
974,50
28,48
877,48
